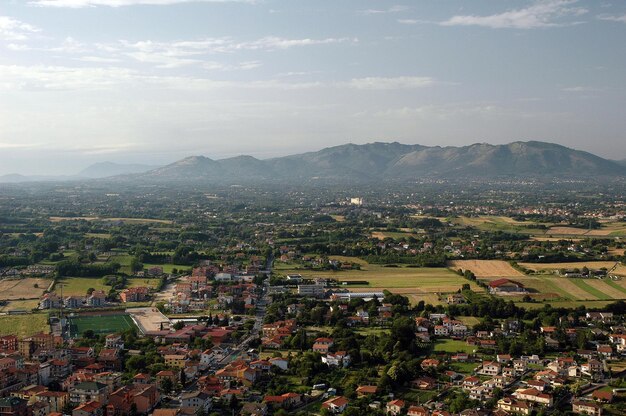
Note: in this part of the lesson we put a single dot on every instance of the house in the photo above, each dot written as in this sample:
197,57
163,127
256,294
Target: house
424,383
114,341
455,299
73,302
338,359
196,400
141,397
56,400
511,405
490,368
534,395
602,396
134,294
88,391
89,409
586,408
429,363
417,411
96,299
499,286
284,401
336,404
395,407
280,362
322,345
363,391
13,406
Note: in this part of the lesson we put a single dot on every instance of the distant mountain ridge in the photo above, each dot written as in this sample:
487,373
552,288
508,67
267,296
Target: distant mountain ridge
106,169
395,161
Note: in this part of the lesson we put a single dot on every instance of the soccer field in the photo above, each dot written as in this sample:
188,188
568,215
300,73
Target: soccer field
100,324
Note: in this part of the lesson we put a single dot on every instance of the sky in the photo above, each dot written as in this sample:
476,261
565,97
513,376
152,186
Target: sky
153,81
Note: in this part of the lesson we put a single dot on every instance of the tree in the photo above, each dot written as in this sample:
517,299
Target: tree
167,385
135,265
179,325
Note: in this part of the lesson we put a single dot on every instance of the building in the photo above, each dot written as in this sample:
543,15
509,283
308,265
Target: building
586,408
89,391
13,406
506,286
134,294
336,404
316,290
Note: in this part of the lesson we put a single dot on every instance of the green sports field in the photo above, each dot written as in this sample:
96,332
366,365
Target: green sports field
107,324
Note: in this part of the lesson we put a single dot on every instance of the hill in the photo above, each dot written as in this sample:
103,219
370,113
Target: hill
377,162
106,169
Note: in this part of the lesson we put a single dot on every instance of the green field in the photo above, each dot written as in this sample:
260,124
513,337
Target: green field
78,286
453,346
24,325
107,324
403,280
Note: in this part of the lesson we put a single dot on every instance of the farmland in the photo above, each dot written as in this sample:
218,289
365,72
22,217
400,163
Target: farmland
537,229
486,268
26,288
78,285
414,282
24,325
592,265
100,324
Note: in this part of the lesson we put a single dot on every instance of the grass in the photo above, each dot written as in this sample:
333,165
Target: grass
595,292
140,281
453,346
410,280
20,305
464,368
78,286
615,286
24,325
100,324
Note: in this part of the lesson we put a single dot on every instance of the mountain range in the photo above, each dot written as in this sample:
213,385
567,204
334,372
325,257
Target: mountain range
373,162
394,161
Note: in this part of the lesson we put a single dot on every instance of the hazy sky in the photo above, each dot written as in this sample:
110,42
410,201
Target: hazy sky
151,81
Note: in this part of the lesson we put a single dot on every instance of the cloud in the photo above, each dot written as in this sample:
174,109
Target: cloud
541,14
579,88
15,30
392,9
182,53
77,4
382,83
610,18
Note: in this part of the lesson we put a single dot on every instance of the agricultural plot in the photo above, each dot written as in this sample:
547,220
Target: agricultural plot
77,286
552,288
486,268
620,270
100,324
24,325
124,220
27,288
415,282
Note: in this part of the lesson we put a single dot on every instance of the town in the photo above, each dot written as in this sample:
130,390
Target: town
359,307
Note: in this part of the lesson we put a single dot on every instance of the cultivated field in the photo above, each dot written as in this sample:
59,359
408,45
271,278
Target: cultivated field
99,324
486,268
77,286
549,288
125,220
13,289
24,325
552,230
620,270
415,282
14,305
